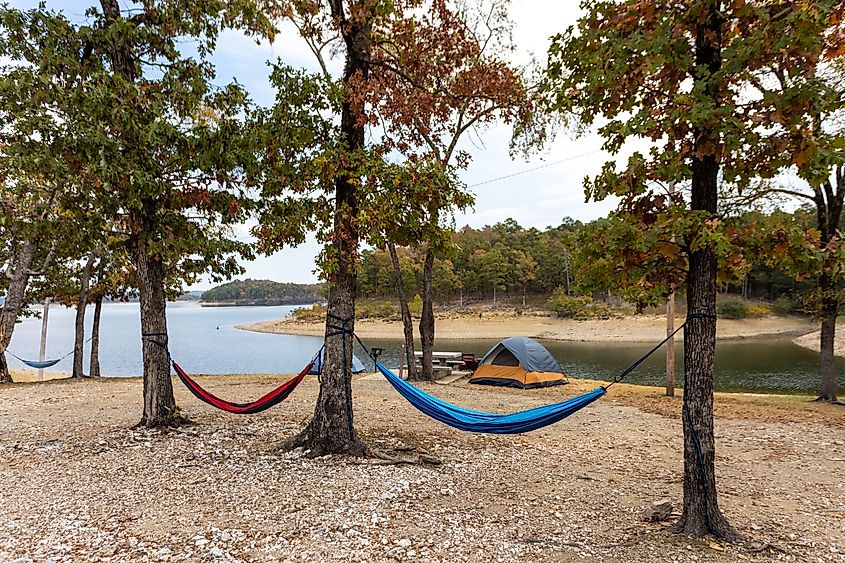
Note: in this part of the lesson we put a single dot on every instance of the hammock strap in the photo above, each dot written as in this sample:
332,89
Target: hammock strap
622,375
159,339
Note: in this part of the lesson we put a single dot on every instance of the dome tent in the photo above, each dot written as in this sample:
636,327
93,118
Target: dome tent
518,362
317,368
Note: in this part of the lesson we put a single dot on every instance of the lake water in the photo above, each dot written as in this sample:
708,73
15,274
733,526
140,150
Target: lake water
205,340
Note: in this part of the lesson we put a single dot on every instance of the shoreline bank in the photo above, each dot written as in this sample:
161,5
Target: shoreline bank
642,328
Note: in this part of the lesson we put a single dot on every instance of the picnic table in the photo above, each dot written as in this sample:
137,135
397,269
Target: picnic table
443,362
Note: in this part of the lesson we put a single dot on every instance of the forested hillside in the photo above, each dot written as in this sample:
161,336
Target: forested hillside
572,259
261,292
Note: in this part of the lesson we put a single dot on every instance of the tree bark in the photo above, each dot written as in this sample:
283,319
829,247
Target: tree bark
94,366
830,311
18,274
159,403
79,324
427,318
331,430
701,514
407,321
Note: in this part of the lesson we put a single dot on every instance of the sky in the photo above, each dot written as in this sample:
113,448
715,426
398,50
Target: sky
537,198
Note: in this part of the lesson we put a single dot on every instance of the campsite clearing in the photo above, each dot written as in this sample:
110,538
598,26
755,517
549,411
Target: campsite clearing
77,484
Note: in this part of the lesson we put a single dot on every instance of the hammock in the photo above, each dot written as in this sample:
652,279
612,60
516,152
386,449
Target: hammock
475,421
35,364
270,399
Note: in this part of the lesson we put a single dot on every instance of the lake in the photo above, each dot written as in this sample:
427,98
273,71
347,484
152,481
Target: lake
205,340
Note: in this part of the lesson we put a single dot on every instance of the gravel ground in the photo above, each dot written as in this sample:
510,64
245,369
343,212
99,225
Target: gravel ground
76,484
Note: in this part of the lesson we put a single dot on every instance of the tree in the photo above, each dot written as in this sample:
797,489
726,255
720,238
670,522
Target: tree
805,104
322,175
438,75
525,270
156,144
28,250
673,75
33,191
308,157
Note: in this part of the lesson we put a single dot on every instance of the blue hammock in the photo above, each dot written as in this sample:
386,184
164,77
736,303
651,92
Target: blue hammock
475,421
35,364
40,365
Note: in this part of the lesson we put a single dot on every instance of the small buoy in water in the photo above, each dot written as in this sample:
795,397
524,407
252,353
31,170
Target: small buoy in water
218,328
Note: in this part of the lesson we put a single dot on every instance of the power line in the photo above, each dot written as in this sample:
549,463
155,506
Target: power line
576,157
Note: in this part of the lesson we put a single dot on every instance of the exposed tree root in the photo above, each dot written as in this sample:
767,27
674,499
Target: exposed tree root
715,525
828,400
316,445
175,420
766,547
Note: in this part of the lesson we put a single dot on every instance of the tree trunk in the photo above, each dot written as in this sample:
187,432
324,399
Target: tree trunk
427,318
830,311
407,321
79,325
18,275
159,403
701,514
331,430
94,366
829,201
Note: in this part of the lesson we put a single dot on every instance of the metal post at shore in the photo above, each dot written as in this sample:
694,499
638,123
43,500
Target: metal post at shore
670,328
670,346
402,363
42,349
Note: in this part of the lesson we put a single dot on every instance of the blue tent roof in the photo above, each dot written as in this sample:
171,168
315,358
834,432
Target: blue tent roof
317,368
532,355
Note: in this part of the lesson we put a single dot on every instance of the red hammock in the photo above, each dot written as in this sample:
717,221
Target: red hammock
270,399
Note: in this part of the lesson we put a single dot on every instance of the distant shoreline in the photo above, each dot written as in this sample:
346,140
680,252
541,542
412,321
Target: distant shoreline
254,303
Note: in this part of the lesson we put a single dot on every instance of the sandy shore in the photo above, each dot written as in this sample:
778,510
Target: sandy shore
811,340
77,484
31,376
642,328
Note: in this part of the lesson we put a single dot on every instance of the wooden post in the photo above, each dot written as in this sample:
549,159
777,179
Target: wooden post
670,346
42,349
670,328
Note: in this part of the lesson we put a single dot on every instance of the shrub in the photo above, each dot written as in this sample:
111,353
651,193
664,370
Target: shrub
415,305
759,310
732,309
785,305
314,313
567,306
376,309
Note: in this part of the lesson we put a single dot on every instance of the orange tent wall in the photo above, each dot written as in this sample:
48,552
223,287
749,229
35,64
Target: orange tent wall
516,373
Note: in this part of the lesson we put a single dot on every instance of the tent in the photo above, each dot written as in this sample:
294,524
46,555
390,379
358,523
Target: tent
317,368
518,362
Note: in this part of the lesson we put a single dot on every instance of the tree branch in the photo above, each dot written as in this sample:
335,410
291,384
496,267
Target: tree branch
45,265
